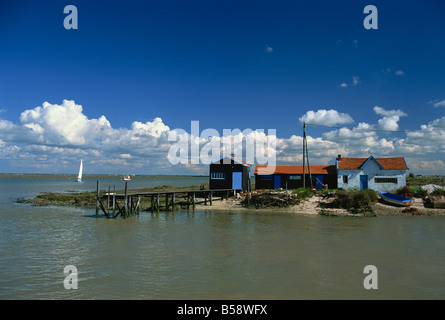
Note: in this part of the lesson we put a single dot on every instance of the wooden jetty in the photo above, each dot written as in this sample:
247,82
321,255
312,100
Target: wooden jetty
113,204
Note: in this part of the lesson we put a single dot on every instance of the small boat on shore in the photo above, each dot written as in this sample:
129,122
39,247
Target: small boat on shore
396,199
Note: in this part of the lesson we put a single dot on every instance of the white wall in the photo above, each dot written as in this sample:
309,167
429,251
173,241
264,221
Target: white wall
372,170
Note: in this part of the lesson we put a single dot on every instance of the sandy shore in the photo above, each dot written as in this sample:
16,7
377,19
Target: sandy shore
311,206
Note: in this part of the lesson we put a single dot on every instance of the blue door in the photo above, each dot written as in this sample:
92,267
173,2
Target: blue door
363,182
319,182
237,180
277,182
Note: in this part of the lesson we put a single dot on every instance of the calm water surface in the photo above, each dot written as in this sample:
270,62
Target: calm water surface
209,254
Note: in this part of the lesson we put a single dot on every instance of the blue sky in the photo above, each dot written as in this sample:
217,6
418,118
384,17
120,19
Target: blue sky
110,91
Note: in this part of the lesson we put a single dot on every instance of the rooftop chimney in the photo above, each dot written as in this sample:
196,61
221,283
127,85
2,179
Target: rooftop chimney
339,157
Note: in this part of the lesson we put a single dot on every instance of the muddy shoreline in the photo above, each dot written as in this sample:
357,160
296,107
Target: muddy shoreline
312,205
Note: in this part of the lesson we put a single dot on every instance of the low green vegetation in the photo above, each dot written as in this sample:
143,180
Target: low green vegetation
303,193
438,193
406,192
355,201
78,199
415,182
88,199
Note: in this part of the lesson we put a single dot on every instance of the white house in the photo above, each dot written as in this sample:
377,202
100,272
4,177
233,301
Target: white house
380,174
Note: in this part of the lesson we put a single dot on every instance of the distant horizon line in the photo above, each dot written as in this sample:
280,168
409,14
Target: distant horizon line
100,175
15,174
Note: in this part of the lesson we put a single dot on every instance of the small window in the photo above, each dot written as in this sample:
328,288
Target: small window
345,179
218,175
385,180
295,177
266,178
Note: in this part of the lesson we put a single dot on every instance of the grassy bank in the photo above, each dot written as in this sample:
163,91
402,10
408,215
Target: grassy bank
88,199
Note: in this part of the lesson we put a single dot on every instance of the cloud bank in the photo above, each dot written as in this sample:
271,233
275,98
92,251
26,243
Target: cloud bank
52,138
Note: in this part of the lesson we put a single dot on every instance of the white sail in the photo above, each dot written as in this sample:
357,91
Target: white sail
79,176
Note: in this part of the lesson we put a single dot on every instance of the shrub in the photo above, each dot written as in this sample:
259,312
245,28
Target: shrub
421,193
267,200
438,193
355,200
405,191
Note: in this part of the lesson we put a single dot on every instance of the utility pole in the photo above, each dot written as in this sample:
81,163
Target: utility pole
305,156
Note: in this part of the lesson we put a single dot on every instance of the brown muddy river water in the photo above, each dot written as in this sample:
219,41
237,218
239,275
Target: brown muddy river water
210,254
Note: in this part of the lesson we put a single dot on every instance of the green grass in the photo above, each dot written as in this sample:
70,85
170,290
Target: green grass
414,183
417,182
303,193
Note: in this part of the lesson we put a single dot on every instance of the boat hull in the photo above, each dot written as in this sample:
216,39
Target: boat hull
396,200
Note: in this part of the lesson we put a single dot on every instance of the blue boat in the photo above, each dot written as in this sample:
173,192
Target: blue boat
396,199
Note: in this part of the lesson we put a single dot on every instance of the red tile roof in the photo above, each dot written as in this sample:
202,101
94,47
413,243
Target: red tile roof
294,169
386,163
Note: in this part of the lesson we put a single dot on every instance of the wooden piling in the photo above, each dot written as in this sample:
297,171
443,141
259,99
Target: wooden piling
125,199
108,199
157,202
97,198
138,204
114,199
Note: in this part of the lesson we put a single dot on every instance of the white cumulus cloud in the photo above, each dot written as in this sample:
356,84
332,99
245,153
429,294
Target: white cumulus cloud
154,128
390,118
326,117
54,137
63,124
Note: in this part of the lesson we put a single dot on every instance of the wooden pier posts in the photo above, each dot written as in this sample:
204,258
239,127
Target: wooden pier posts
97,199
125,198
114,200
128,204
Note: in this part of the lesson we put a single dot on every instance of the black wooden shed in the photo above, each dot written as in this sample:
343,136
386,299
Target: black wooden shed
229,173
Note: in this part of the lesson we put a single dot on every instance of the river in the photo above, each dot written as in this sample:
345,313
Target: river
209,254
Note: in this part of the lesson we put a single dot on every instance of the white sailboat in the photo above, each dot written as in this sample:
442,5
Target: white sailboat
79,176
